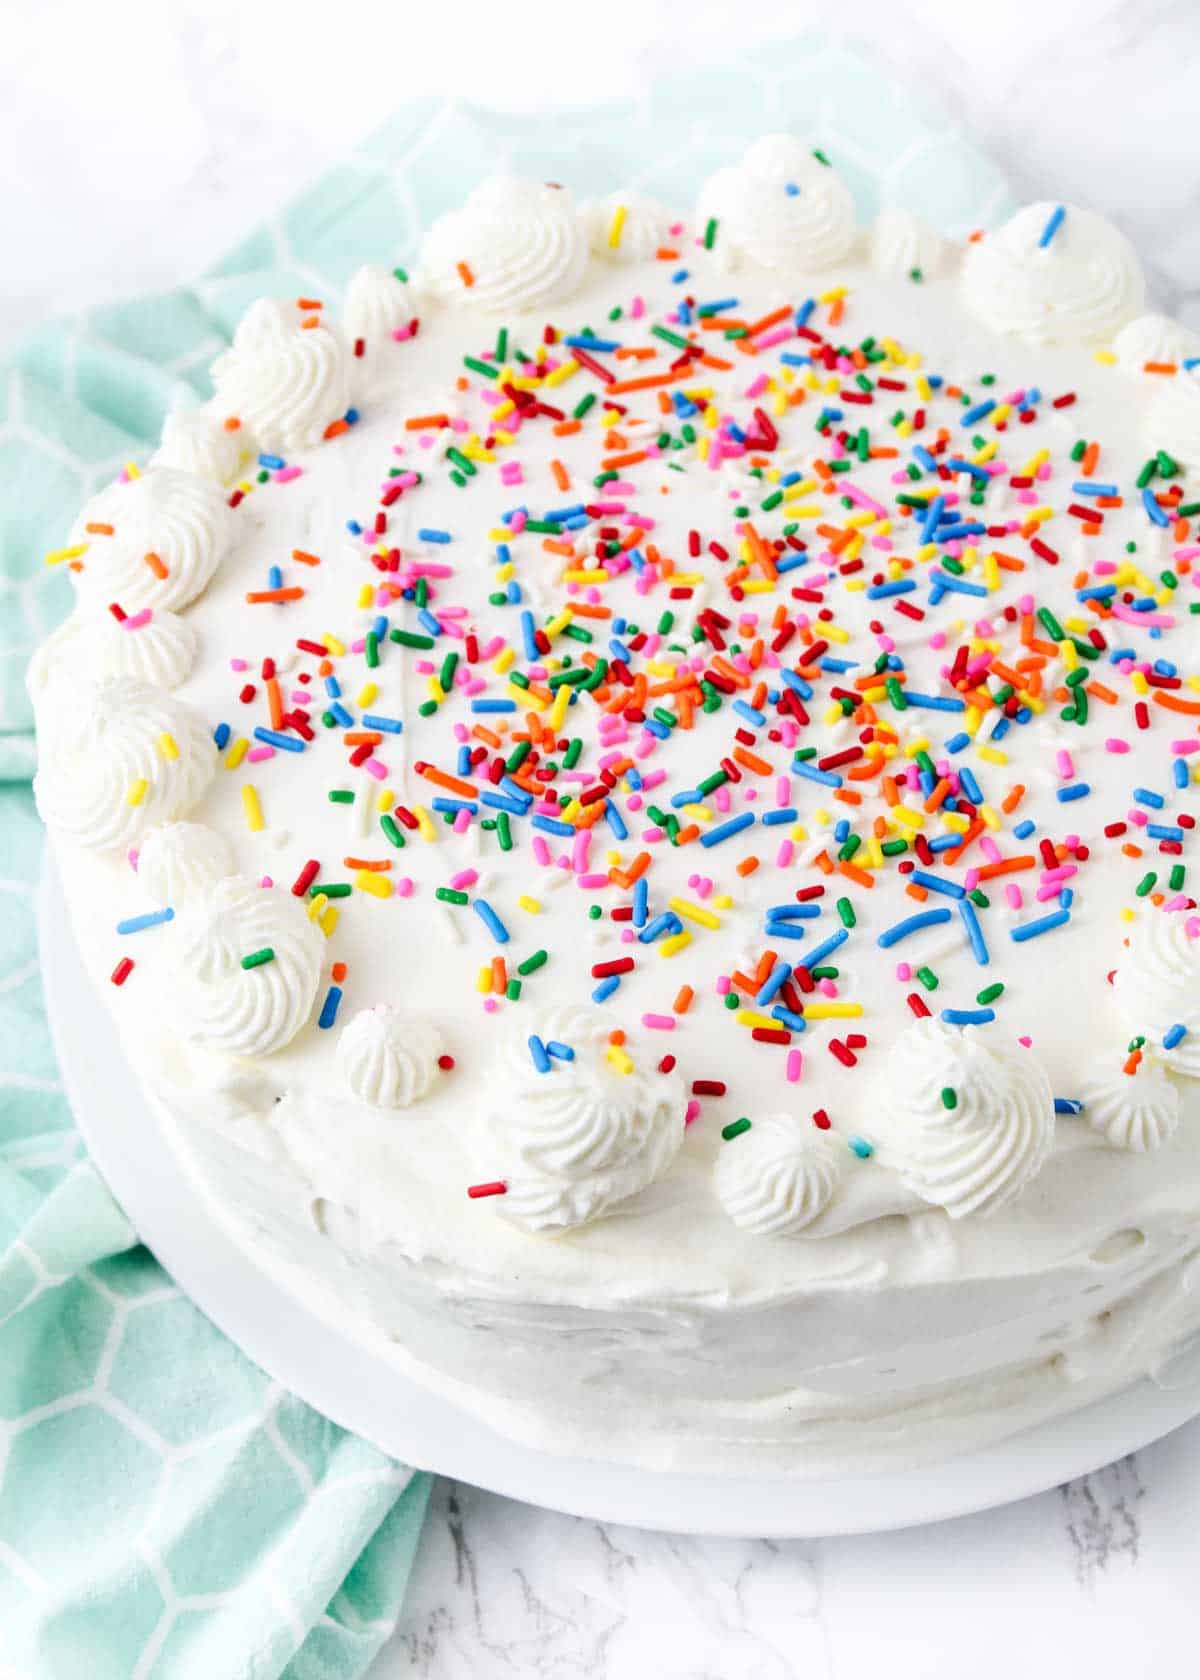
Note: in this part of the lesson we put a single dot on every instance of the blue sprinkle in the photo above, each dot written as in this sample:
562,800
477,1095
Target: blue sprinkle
668,923
454,805
615,820
606,988
560,1051
910,925
1153,511
428,622
1147,796
1024,829
723,831
860,1147
1052,226
490,920
793,912
974,932
1032,930
981,410
884,591
537,1050
338,711
152,918
329,1008
1089,487
272,737
784,930
789,1019
968,1017
827,778
749,713
274,577
641,899
427,534
502,802
551,825
221,736
274,462
1179,770
1173,1035
781,972
1077,790
771,819
819,952
484,706
937,884
1067,1105
970,786
387,725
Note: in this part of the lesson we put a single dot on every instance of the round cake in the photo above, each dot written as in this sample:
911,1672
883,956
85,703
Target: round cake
632,793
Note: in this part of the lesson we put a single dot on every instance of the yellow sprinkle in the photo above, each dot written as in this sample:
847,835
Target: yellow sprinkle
436,691
560,374
329,919
425,827
167,747
56,556
992,755
619,1059
677,941
237,753
368,694
252,808
317,905
751,1018
908,818
615,226
533,905
365,596
558,710
132,470
693,912
526,699
483,980
503,660
723,901
991,820
336,648
137,791
369,881
385,799
1107,357
830,1012
556,625
1128,915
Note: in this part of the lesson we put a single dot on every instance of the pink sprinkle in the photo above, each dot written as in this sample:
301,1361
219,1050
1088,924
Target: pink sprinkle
1115,744
285,475
404,886
465,878
592,882
136,620
723,984
257,754
1062,760
377,768
661,1023
691,1112
1013,894
491,1005
793,1066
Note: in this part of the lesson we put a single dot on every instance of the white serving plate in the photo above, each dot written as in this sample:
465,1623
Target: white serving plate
338,1370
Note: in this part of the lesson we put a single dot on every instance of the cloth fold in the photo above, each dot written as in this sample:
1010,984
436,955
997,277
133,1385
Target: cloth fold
166,1511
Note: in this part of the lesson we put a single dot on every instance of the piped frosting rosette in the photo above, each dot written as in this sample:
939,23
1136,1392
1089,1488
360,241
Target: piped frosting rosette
1054,274
627,226
1157,988
389,1058
179,861
595,1127
1132,1102
150,541
285,381
116,757
248,966
156,647
778,1176
514,245
965,1119
197,441
1173,418
903,246
781,207
1151,344
377,304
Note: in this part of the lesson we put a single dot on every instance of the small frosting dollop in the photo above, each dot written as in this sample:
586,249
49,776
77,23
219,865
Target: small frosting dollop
1054,274
781,206
220,997
389,1058
158,648
1173,417
151,541
514,245
905,247
966,1120
593,1129
627,226
1132,1102
1156,339
198,441
179,860
284,380
377,303
116,757
1157,988
776,1178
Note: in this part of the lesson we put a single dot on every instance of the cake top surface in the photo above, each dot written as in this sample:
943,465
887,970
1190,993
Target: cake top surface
682,719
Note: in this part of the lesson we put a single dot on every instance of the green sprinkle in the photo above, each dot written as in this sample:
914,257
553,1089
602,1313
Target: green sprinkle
928,979
732,1001
533,962
504,831
513,990
582,406
949,1097
449,895
735,1128
675,339
846,911
989,994
257,958
391,828
410,639
341,796
1146,884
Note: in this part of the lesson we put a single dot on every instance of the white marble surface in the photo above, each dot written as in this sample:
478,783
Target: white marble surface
1088,100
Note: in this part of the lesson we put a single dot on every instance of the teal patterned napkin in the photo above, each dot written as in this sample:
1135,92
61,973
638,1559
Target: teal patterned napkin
166,1511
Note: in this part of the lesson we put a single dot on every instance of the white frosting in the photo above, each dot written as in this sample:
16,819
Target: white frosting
1154,338
902,242
1173,421
626,227
1078,288
1132,1103
180,860
244,1011
388,1058
572,1142
284,381
377,302
520,241
1157,987
781,207
181,518
777,1177
198,442
161,651
116,757
980,1153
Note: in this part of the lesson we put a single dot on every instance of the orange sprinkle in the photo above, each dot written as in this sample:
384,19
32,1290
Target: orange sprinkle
464,273
305,558
747,866
256,595
156,565
683,999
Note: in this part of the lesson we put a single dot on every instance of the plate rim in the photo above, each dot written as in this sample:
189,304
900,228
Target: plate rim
340,1375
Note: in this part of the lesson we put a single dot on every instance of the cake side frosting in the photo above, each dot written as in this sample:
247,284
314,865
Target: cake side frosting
713,659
